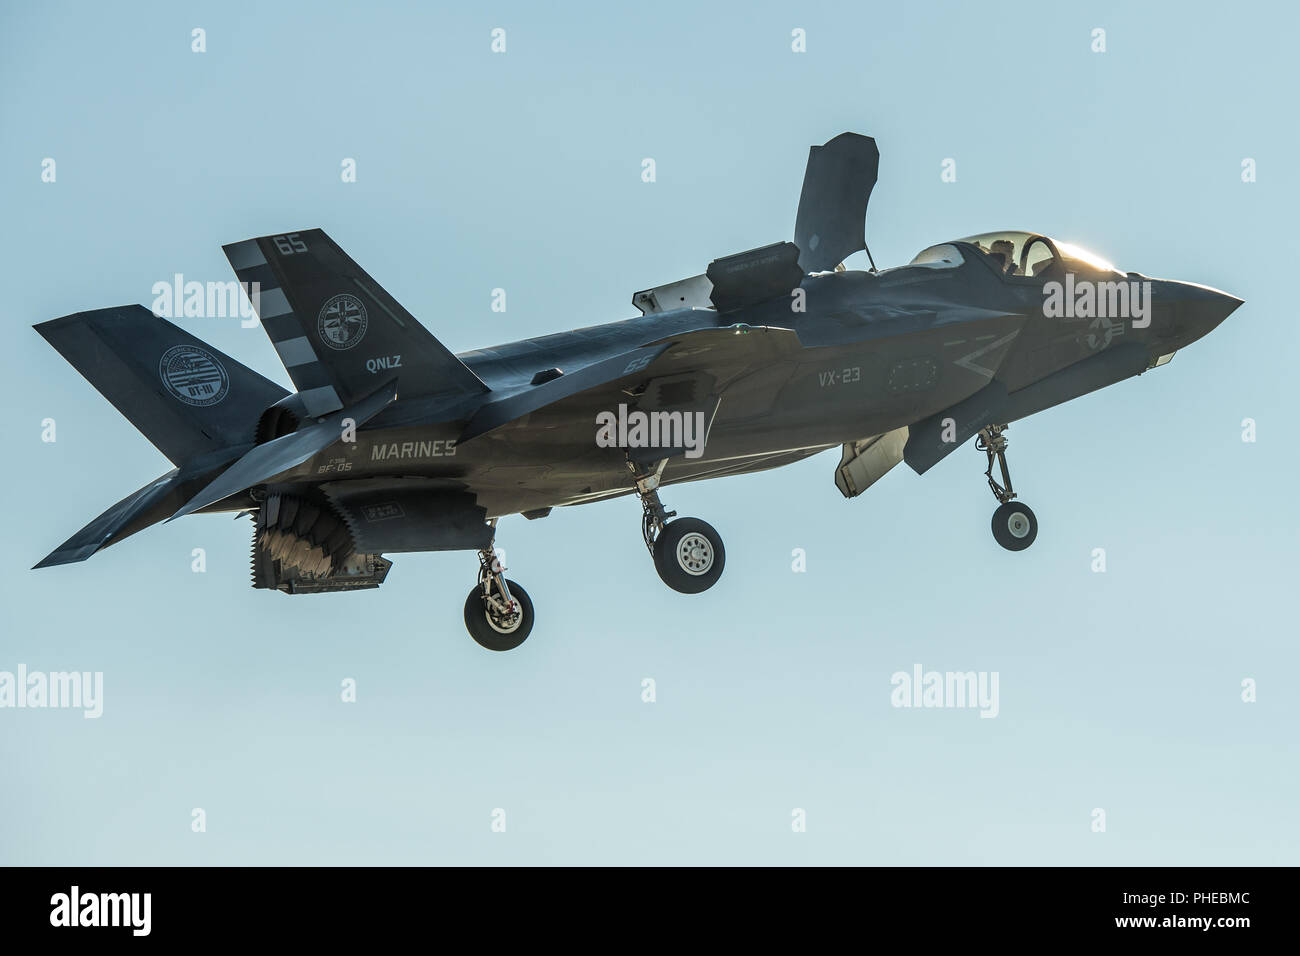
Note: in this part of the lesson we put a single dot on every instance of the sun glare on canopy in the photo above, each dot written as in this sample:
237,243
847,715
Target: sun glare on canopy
1071,251
1019,253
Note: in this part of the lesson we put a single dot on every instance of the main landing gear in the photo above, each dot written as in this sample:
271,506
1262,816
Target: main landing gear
1014,524
498,612
688,553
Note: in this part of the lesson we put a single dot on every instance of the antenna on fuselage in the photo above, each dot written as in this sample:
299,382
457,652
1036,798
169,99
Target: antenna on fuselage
869,259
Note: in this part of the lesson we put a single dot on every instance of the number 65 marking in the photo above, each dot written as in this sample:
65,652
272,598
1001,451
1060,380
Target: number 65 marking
289,244
637,364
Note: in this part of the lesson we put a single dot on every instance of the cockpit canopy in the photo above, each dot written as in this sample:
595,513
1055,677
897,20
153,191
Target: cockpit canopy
1013,253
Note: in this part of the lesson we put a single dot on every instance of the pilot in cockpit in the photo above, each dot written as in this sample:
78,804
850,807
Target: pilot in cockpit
1003,252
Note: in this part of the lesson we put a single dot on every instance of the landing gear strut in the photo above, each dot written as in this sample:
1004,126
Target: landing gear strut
688,552
1014,524
498,612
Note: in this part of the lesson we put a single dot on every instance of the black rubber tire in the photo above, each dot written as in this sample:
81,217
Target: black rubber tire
1014,526
672,564
484,634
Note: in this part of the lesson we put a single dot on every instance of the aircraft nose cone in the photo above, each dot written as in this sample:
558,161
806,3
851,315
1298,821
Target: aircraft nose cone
1204,306
1186,311
1229,304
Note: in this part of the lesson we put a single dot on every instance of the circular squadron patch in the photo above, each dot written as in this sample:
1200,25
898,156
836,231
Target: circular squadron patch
342,322
193,375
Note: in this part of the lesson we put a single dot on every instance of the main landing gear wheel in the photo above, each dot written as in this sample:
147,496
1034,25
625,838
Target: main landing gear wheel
689,555
688,552
495,627
498,612
1014,524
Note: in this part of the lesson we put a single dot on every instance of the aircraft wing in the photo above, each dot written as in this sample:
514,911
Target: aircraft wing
879,321
516,405
667,374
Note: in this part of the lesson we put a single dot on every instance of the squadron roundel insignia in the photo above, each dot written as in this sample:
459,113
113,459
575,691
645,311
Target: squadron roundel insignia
193,375
342,322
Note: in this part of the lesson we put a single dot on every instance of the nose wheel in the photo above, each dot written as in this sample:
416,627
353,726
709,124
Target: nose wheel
1014,524
498,612
688,553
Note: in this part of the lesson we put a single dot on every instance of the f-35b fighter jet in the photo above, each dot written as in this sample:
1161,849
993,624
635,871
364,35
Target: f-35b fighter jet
391,443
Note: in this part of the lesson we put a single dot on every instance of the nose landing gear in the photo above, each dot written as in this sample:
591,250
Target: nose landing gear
1014,525
688,553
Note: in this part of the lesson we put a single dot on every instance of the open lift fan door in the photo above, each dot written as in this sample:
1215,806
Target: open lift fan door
837,184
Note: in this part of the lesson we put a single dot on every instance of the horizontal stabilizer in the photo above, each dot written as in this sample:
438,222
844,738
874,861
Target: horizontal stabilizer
151,504
270,459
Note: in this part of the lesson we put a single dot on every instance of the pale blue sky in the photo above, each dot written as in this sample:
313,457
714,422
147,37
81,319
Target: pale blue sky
475,171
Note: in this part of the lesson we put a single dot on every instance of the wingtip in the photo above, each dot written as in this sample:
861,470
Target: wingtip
65,555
